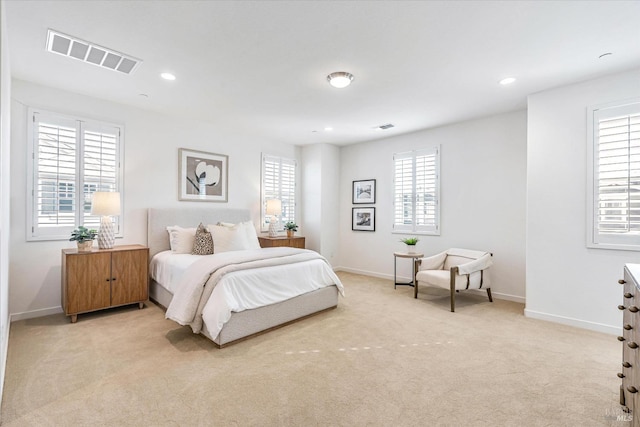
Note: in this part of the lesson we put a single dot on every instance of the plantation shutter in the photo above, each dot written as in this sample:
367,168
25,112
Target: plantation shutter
617,181
416,191
70,160
279,182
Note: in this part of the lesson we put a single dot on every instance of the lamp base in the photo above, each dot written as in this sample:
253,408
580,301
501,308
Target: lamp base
106,234
273,232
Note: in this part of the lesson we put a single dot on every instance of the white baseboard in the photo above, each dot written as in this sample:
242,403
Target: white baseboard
36,313
598,327
497,295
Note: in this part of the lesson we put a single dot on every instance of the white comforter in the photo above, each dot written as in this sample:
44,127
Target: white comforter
217,285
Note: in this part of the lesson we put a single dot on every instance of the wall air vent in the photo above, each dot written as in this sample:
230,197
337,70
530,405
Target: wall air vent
385,127
73,47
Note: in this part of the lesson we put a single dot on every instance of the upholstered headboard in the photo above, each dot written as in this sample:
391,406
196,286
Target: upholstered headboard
160,219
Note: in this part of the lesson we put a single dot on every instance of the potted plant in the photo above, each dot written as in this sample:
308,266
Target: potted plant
291,228
83,237
411,243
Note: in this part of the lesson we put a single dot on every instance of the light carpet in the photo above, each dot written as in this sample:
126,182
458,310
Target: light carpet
382,358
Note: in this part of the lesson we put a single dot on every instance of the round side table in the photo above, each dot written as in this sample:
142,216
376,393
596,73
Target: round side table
414,257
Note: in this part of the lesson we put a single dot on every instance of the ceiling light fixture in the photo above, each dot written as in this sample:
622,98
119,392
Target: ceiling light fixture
168,76
507,81
328,129
340,79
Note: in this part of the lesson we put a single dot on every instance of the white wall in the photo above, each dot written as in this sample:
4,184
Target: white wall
5,161
150,180
566,281
320,178
483,172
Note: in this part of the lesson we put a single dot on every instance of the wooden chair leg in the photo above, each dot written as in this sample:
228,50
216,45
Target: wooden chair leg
454,272
489,294
415,289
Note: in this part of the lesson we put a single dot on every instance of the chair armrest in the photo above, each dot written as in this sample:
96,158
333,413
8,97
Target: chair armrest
435,262
481,263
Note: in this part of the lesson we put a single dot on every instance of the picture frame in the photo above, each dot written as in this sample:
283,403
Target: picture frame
202,176
363,219
364,191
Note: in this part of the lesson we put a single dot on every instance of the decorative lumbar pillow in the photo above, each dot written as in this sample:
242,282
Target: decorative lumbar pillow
202,242
234,237
181,239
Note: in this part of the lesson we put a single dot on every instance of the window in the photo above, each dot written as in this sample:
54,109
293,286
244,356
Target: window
69,160
279,182
614,176
416,202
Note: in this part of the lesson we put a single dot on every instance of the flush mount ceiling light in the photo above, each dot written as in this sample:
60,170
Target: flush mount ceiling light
85,51
340,79
507,81
168,76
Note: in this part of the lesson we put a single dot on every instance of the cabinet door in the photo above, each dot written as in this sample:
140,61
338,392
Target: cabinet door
88,282
129,274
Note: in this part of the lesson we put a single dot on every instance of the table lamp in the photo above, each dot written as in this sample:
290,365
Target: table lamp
106,204
274,208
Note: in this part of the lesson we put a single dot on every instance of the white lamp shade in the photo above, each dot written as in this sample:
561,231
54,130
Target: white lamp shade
105,203
274,207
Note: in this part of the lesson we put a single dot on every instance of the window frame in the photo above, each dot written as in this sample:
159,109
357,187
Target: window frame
595,239
264,220
398,228
34,232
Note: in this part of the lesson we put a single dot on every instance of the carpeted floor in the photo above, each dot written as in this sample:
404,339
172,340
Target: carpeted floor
381,358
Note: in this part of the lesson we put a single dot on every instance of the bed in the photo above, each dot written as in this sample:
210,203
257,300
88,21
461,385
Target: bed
250,321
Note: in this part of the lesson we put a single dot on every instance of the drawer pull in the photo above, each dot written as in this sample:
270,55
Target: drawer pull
621,281
632,389
108,280
632,345
626,364
628,327
620,307
628,295
621,339
621,375
633,309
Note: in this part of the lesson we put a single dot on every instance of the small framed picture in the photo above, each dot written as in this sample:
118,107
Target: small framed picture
364,191
363,219
202,177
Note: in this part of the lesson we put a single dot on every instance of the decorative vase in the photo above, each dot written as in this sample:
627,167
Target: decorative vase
85,246
290,233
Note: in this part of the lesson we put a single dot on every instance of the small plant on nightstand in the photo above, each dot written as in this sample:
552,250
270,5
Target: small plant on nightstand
291,228
83,237
411,243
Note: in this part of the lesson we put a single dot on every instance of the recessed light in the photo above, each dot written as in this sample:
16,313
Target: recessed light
328,129
168,76
340,79
144,95
507,81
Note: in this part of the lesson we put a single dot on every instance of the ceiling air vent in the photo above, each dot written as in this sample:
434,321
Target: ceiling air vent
385,127
73,47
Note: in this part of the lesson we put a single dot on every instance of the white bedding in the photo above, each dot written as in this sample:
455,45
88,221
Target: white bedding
236,281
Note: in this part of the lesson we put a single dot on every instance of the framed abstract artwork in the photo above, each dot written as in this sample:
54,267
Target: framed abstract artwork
363,219
202,176
364,191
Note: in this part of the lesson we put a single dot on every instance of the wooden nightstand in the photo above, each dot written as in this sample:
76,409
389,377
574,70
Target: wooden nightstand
271,242
104,278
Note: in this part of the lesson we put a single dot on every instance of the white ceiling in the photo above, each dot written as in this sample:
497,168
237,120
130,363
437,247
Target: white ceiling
263,65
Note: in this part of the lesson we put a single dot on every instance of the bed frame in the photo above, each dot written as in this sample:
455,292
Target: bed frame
247,323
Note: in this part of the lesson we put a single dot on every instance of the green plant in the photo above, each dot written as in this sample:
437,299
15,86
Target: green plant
83,234
291,226
411,241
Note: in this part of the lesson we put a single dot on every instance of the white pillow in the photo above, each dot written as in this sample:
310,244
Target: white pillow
245,228
181,239
226,239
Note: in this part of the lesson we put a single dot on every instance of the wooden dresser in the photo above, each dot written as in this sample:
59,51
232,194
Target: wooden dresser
104,278
630,339
270,242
